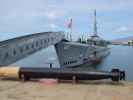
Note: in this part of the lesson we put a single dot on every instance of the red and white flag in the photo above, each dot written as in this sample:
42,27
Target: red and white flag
69,25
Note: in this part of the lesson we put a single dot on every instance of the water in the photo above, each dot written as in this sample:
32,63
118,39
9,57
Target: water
42,58
120,57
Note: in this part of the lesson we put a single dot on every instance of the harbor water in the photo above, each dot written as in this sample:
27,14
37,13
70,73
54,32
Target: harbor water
120,57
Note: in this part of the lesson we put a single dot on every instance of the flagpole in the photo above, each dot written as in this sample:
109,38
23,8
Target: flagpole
71,30
71,33
67,37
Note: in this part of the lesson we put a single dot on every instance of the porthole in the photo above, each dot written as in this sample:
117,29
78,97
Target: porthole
48,39
27,47
37,43
6,55
32,46
21,50
14,52
41,42
45,41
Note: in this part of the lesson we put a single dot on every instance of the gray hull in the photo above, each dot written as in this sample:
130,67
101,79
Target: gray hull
73,54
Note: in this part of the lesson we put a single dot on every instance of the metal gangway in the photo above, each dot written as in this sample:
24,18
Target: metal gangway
14,49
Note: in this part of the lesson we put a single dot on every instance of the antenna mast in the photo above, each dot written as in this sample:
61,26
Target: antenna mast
95,24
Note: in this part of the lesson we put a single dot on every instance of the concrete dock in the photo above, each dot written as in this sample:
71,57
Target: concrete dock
96,90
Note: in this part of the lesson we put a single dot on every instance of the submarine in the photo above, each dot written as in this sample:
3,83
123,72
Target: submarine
82,52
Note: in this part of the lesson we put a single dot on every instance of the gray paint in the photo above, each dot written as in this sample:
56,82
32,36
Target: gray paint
72,54
15,49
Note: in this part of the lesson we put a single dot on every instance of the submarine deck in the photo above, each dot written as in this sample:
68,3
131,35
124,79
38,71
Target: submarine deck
85,90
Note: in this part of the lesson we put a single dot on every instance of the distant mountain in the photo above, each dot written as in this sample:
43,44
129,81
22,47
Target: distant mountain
123,39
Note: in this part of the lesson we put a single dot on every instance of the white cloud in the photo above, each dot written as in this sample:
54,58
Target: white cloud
124,29
53,26
51,15
31,15
102,5
54,14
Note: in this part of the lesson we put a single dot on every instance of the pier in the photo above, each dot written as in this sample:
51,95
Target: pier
86,87
85,90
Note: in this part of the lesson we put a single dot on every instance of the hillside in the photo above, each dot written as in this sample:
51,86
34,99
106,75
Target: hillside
123,39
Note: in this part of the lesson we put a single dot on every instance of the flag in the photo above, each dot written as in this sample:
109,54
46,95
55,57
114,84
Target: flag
70,24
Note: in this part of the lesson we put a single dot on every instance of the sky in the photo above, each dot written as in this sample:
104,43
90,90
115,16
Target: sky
20,17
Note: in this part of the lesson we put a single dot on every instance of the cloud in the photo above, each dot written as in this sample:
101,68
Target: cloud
54,14
102,5
53,26
41,15
51,15
124,29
